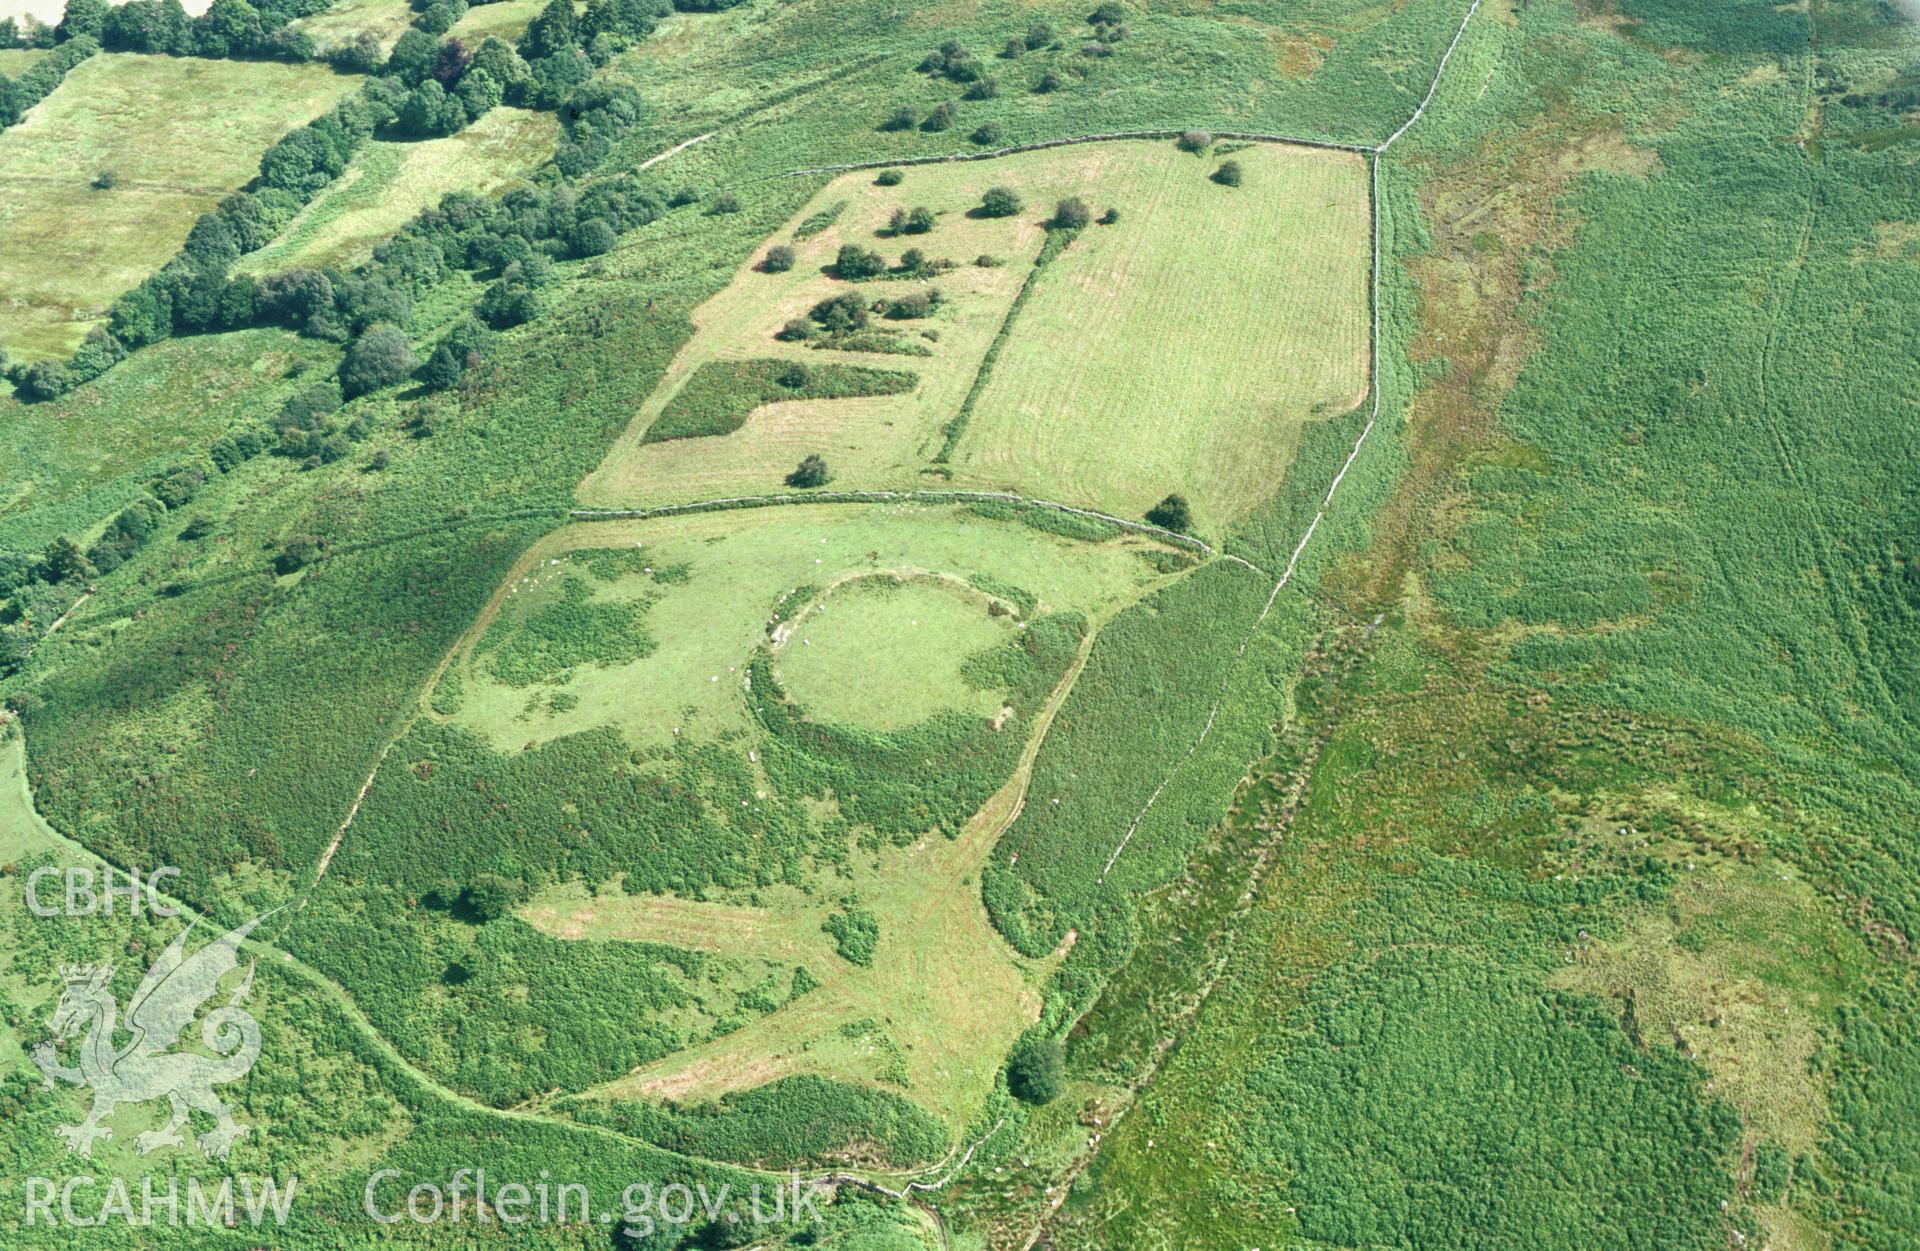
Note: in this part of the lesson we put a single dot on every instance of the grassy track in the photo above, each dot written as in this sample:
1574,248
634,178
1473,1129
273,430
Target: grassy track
179,134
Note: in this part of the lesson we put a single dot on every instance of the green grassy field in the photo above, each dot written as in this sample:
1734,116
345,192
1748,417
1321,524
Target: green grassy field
884,654
728,577
1183,348
389,183
178,133
504,20
1155,397
14,60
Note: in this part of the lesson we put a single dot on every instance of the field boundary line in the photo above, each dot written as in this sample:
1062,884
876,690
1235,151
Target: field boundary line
1326,501
728,503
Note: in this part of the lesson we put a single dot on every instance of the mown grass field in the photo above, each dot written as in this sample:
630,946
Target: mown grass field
178,133
1181,375
730,576
1183,348
388,183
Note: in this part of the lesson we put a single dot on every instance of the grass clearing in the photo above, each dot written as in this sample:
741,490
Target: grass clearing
505,20
1289,346
17,61
722,579
389,183
887,653
178,133
340,22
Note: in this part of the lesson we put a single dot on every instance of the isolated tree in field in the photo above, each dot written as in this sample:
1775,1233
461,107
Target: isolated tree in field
889,178
1000,202
379,358
1228,175
1172,513
918,221
1071,214
1037,1070
811,472
855,262
779,259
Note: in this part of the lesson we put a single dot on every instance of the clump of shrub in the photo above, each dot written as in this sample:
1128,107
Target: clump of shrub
988,135
984,89
1048,83
855,262
840,313
915,221
1228,175
1110,217
941,118
809,473
778,260
1194,141
889,177
954,62
901,118
914,305
1071,213
856,931
1000,202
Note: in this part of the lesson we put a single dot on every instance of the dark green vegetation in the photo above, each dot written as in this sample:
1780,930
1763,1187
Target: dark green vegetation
856,931
721,395
790,1122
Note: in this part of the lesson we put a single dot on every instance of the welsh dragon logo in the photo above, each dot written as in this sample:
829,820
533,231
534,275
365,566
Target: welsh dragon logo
148,1068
